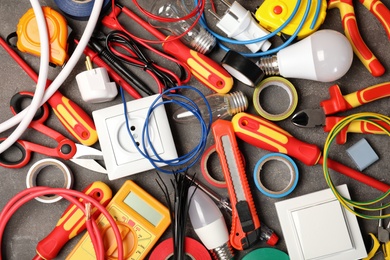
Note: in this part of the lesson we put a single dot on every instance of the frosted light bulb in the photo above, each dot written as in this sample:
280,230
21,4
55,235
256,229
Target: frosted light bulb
324,56
209,224
197,38
222,106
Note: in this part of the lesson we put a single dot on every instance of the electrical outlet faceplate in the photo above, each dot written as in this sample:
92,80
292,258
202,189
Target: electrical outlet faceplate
121,156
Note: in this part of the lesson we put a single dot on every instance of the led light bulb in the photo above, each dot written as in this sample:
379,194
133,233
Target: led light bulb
197,38
324,56
209,224
222,106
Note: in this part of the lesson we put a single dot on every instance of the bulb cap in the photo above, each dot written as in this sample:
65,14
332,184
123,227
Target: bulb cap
269,65
237,102
204,42
223,252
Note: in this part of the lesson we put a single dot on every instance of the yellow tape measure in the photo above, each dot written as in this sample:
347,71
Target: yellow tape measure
28,35
142,220
273,13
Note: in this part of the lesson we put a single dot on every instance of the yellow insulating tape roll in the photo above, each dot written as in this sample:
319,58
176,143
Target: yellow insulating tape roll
278,82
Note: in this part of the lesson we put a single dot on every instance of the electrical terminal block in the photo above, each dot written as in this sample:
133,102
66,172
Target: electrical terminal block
238,23
95,85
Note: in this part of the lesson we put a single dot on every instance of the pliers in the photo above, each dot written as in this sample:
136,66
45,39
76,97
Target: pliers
381,12
340,103
382,239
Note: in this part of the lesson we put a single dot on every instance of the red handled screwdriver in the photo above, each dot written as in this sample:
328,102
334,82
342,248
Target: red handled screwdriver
206,70
72,222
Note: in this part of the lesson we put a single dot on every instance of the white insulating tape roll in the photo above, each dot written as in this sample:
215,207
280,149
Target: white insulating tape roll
31,180
275,82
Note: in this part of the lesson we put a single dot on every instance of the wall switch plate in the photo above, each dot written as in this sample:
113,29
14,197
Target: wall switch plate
120,154
317,227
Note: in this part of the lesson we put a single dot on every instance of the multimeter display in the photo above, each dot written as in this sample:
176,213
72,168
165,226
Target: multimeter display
142,219
142,208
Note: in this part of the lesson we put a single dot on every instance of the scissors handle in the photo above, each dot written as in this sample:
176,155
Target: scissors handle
18,103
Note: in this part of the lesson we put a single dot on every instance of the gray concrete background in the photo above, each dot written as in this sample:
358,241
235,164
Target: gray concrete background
35,220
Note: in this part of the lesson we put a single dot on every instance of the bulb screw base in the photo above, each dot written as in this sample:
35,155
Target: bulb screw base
203,42
237,102
269,65
224,252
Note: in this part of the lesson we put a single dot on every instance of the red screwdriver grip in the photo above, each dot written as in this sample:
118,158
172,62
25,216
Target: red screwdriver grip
72,222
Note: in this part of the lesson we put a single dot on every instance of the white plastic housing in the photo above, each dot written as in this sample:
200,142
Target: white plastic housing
207,220
324,56
95,86
239,24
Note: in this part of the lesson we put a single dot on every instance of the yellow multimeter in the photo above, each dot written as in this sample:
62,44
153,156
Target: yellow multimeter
273,13
141,220
28,35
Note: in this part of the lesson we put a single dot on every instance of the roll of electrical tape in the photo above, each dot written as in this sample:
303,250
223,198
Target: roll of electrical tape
279,82
31,180
205,171
293,172
242,68
79,9
266,254
194,250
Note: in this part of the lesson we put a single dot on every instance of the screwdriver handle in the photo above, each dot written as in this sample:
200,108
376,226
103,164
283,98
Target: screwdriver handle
351,31
244,215
73,117
206,70
357,126
266,135
72,222
340,103
381,12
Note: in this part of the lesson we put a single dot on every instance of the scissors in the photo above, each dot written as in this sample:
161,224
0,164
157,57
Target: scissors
66,149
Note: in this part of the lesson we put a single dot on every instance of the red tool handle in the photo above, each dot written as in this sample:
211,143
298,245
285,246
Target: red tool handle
381,12
340,103
231,166
206,70
357,126
72,222
266,135
352,33
72,116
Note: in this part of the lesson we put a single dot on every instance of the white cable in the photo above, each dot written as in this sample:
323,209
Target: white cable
41,83
68,67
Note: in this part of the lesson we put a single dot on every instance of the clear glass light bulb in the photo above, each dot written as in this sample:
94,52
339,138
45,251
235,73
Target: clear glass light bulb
209,224
222,106
324,56
197,38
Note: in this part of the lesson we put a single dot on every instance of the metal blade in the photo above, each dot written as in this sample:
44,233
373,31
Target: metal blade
309,118
90,164
86,152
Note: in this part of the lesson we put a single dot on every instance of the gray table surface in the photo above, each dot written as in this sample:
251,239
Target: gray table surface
35,220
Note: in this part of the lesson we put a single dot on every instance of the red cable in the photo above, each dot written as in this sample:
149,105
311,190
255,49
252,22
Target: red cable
28,194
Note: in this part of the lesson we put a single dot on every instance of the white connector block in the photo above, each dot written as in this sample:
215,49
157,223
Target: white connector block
95,86
120,154
239,24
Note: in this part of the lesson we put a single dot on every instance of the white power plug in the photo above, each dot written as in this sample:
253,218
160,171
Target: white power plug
95,85
238,23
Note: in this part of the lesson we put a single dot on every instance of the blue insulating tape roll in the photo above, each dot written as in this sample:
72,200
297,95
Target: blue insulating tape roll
79,10
293,171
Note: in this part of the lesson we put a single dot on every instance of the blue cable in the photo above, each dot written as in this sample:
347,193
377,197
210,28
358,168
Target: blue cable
276,49
190,157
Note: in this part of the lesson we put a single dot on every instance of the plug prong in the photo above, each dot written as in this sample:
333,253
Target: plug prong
216,16
88,63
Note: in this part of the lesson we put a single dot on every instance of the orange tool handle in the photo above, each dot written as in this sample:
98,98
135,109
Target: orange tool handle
266,135
73,117
352,33
381,12
340,103
223,130
357,126
206,70
72,222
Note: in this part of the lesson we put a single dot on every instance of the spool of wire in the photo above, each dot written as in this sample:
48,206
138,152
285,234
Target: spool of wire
187,160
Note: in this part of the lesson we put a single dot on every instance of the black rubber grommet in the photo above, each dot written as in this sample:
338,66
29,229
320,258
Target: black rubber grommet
242,68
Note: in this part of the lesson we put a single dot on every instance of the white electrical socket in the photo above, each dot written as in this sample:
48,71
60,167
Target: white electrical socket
121,156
